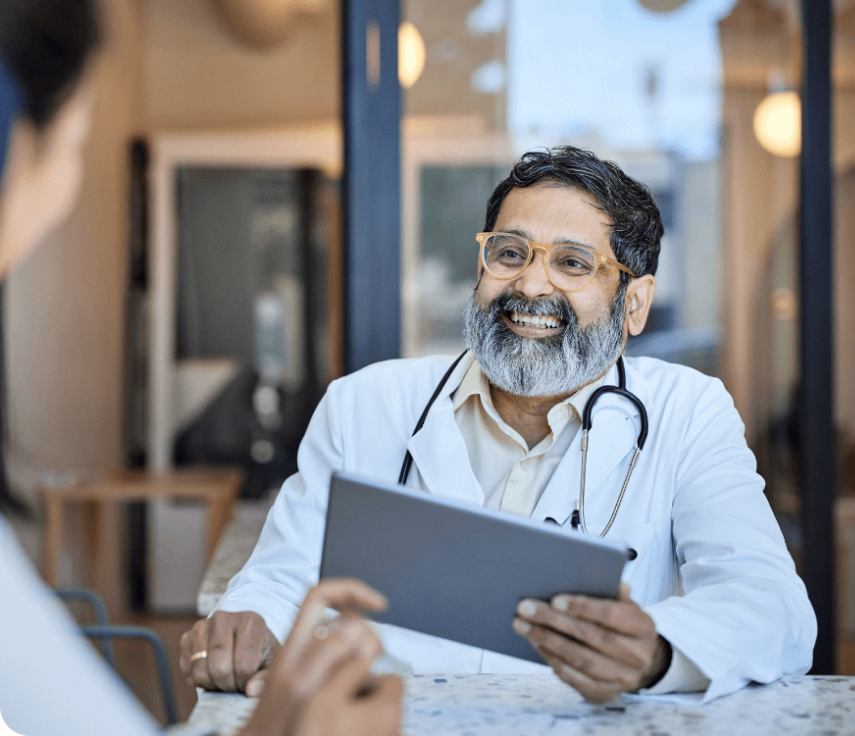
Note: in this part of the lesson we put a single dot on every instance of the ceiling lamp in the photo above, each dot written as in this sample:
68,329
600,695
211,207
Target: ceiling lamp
411,54
778,124
265,24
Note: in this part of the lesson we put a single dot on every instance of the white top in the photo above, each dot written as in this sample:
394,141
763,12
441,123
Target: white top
52,682
514,477
712,570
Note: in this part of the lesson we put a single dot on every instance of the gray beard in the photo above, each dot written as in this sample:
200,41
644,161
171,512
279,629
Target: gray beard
555,365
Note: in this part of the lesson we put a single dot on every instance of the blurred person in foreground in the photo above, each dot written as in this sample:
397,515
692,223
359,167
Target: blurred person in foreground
566,273
51,680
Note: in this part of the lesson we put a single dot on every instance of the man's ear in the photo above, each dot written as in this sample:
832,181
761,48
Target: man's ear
639,297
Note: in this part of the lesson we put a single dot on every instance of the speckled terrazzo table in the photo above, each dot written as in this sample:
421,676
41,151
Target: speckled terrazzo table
235,547
528,705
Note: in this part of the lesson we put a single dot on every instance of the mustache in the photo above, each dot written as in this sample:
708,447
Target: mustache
555,306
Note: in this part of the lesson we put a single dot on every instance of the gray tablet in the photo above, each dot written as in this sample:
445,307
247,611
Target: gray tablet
454,570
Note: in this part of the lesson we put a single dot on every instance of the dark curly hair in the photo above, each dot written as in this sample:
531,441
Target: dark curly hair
636,224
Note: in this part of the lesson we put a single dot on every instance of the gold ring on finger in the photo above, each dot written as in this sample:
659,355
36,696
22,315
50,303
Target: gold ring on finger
199,655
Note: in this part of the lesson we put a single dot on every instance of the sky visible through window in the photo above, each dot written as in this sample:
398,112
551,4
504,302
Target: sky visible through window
612,75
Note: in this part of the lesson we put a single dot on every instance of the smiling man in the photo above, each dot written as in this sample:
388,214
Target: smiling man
711,600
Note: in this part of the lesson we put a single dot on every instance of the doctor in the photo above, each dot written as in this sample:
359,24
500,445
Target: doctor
566,272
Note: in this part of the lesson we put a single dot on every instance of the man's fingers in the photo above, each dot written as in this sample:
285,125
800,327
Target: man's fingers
193,642
583,659
630,649
221,644
623,617
590,689
254,648
186,650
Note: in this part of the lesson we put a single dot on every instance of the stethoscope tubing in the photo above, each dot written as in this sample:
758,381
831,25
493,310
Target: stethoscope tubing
578,517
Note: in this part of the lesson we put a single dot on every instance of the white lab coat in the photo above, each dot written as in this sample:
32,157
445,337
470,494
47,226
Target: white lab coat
694,511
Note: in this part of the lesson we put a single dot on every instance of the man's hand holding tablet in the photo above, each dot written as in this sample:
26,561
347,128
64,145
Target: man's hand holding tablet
600,647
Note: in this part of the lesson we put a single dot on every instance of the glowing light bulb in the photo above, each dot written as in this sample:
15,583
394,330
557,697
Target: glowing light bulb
411,54
778,124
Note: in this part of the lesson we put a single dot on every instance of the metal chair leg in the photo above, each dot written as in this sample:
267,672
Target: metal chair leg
99,610
107,633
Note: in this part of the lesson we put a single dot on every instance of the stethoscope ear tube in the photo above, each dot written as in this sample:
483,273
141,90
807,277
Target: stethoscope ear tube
587,418
578,518
620,390
408,458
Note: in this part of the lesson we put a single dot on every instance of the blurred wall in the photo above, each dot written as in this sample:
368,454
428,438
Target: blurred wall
199,76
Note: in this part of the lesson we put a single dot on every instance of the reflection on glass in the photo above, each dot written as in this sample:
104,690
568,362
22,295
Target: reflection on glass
639,85
669,90
252,318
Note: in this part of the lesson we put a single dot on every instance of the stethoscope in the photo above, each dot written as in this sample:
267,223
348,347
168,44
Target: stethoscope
577,519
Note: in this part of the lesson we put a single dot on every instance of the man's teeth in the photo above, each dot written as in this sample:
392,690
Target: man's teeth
542,321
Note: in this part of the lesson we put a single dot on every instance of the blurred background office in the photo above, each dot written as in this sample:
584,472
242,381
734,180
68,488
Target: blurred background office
217,273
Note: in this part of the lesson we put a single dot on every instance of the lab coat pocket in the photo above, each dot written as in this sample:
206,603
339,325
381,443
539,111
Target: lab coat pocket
642,570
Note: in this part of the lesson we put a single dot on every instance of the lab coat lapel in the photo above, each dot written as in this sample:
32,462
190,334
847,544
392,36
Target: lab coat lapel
439,451
613,435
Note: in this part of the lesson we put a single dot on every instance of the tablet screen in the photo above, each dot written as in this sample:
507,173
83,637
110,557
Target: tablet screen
455,570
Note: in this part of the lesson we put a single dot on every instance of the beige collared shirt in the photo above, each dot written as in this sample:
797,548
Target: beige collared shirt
512,475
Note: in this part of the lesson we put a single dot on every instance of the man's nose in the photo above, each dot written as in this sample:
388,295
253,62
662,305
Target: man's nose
533,282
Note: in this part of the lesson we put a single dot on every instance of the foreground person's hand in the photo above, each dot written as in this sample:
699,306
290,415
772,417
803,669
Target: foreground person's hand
320,684
602,648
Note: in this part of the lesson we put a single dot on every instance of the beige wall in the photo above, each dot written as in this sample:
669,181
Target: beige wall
199,76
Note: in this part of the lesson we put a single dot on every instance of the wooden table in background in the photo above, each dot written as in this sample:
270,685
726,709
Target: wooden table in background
217,488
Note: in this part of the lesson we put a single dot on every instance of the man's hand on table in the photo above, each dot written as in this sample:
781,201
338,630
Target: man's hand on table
602,648
319,682
239,647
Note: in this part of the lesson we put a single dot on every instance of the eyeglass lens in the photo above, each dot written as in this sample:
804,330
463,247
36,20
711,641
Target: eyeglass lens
570,267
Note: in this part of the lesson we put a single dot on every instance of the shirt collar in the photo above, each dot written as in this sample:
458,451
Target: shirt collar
475,383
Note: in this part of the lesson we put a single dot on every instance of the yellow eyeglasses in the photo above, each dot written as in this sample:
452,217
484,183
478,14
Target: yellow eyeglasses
568,267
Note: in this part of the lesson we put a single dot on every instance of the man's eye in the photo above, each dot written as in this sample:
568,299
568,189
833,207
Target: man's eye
510,254
573,263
